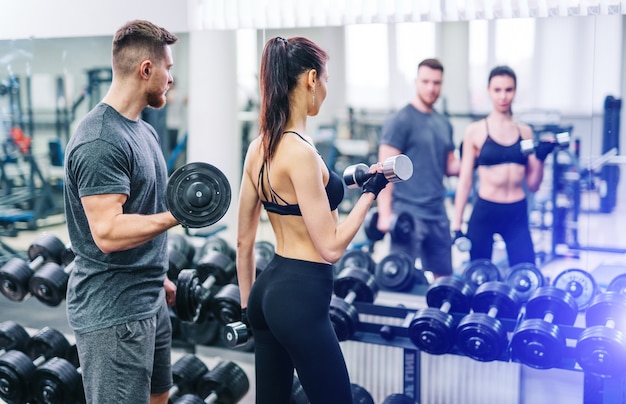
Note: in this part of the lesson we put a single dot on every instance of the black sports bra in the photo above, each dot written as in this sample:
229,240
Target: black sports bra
334,192
493,153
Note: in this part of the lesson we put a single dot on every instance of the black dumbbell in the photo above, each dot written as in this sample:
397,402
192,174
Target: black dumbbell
396,168
58,381
538,341
263,254
12,337
601,347
398,398
524,278
560,139
193,294
49,283
479,271
397,272
186,373
16,272
17,368
219,244
360,395
227,382
432,329
352,284
480,334
180,253
236,334
355,258
401,226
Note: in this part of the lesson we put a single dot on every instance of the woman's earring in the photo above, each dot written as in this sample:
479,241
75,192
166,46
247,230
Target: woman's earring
313,93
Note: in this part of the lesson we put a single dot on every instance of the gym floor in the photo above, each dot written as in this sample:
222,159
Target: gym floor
596,229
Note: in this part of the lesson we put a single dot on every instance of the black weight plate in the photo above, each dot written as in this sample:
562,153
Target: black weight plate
432,331
604,307
396,271
370,226
227,380
56,382
554,301
343,317
538,344
580,284
226,304
13,336
480,271
49,284
481,337
187,306
356,258
602,351
14,276
198,194
618,284
48,246
452,290
358,281
524,278
498,295
401,227
360,395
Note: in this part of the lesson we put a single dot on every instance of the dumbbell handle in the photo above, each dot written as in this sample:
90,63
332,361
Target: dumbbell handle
36,262
493,312
445,306
349,298
548,317
236,334
396,168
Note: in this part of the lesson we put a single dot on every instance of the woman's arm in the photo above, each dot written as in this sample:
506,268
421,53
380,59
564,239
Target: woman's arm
534,166
466,176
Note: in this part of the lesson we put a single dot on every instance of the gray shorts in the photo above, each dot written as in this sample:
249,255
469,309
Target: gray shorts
127,362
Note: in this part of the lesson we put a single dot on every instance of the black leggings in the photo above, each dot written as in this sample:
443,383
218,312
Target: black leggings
288,310
510,220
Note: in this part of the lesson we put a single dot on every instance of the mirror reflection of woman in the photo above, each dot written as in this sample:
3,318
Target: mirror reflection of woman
491,146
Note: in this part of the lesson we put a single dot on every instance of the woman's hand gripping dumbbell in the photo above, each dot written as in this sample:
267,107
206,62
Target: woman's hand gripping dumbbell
394,169
544,147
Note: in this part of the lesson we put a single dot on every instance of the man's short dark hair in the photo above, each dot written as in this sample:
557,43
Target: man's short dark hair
432,63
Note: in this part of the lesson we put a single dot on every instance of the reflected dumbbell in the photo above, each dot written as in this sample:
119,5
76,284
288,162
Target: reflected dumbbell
601,347
180,252
432,329
17,368
561,140
578,283
352,284
15,273
186,373
397,272
49,284
524,278
538,341
401,226
396,168
479,271
192,294
227,382
480,334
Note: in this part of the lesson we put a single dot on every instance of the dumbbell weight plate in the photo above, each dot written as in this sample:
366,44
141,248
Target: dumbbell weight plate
618,284
226,304
356,258
49,284
187,305
48,246
14,277
227,379
360,395
264,249
12,336
16,370
580,284
56,382
187,370
396,271
401,227
344,318
356,280
524,278
370,226
602,350
480,271
198,194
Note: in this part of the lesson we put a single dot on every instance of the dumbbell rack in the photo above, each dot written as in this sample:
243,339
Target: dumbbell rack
596,389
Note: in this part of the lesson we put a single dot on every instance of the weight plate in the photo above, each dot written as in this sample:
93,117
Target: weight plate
432,331
56,381
49,284
538,344
370,226
559,304
198,194
497,295
618,284
455,292
481,337
602,351
604,307
357,258
343,317
358,282
580,284
187,306
396,272
401,227
480,271
524,278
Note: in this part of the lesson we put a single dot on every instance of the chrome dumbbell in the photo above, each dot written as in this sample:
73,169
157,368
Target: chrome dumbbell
396,168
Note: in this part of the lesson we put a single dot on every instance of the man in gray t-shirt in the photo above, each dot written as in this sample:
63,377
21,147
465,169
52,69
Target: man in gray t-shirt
117,219
425,136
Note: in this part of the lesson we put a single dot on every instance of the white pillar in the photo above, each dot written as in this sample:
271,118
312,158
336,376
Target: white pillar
214,130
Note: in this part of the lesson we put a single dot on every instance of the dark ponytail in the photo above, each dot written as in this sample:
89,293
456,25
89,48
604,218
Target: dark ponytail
282,62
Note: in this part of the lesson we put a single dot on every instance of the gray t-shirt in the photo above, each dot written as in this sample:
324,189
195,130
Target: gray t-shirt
109,154
427,140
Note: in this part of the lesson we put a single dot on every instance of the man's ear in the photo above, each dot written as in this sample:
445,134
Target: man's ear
145,68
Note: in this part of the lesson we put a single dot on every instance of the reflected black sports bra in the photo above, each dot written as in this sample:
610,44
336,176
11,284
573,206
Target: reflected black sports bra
334,192
493,153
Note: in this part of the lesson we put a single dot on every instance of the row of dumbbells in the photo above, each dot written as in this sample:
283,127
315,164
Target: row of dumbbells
44,368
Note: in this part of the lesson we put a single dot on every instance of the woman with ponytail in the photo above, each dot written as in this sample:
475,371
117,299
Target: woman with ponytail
492,147
287,306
